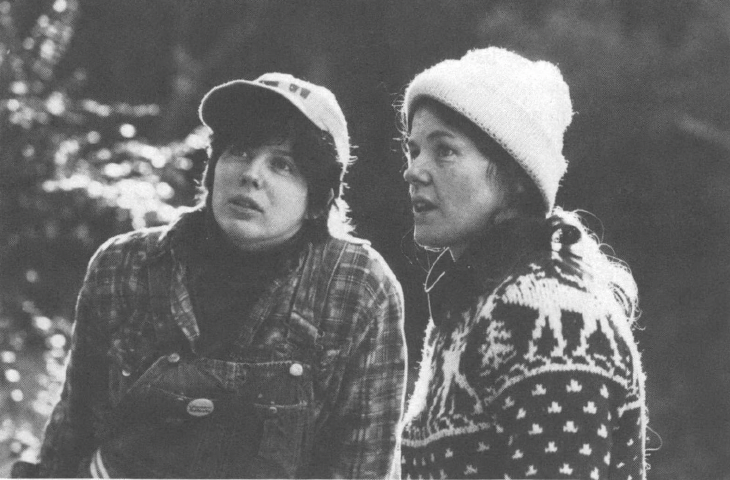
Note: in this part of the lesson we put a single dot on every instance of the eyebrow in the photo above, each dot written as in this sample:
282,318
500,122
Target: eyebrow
289,152
439,134
434,135
284,151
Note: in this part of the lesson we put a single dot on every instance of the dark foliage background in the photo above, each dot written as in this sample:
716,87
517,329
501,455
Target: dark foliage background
99,135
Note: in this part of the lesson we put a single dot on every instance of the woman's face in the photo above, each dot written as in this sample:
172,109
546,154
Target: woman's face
259,195
455,190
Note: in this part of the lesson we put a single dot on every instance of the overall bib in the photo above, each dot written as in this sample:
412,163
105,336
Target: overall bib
191,416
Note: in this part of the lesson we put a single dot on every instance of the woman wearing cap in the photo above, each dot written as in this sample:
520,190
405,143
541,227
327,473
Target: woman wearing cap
253,338
530,369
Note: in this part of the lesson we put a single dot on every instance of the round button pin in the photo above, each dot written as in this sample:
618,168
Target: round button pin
200,407
296,370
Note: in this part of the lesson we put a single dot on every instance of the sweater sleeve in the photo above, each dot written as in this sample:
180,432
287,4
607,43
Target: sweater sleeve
559,425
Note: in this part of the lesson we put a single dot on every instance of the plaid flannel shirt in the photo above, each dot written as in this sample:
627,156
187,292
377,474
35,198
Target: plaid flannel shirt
357,410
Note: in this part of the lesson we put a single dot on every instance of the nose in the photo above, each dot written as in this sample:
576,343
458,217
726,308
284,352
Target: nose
416,174
252,174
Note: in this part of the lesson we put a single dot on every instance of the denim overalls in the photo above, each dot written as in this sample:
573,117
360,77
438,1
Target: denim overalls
189,416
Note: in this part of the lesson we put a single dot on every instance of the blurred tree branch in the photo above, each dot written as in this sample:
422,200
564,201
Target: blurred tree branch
26,75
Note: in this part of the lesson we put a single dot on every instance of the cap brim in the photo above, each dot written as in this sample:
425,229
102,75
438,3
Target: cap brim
225,105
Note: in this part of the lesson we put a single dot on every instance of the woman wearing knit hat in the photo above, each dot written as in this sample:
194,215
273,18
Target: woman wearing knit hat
529,368
254,337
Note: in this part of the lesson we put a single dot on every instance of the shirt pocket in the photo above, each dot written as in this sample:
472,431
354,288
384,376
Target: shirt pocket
131,356
325,352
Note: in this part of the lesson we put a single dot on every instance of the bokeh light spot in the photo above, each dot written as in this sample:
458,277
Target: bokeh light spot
57,341
43,323
31,276
60,6
127,130
12,375
8,356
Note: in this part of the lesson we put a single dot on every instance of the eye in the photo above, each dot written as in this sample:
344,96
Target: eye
234,155
283,164
444,151
236,151
411,151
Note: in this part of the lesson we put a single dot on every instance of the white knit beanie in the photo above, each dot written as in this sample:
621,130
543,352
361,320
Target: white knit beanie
523,105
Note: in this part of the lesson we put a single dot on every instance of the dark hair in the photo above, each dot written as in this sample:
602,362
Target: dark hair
522,192
273,119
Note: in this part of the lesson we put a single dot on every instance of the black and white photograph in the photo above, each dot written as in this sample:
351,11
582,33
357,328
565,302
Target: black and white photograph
395,239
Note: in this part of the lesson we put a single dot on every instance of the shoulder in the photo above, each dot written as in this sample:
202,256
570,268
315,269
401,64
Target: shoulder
362,292
137,242
549,283
121,258
358,261
147,244
546,317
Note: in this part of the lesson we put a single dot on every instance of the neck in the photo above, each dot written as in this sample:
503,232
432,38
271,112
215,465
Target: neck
503,244
504,218
457,251
226,251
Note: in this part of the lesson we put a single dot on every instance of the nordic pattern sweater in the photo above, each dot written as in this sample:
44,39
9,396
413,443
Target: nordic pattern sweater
530,375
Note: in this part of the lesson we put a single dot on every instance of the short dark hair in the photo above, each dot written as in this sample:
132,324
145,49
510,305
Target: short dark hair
274,120
523,193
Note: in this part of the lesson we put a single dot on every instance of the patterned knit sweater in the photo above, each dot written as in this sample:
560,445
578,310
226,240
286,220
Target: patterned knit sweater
531,375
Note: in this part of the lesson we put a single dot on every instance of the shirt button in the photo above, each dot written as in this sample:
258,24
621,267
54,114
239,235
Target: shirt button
273,410
126,372
296,370
173,357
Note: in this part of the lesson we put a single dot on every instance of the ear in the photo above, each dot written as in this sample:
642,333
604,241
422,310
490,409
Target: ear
509,208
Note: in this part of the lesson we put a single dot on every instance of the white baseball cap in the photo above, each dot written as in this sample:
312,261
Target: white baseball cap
223,103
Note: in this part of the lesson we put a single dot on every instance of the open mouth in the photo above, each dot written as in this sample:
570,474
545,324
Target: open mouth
246,203
422,205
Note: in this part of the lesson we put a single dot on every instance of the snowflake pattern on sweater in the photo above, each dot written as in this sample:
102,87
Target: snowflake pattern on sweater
537,379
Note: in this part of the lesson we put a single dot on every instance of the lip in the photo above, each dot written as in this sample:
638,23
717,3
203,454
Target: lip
243,202
422,205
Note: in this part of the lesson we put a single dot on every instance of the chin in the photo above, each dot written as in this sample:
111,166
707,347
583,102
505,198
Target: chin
428,240
238,231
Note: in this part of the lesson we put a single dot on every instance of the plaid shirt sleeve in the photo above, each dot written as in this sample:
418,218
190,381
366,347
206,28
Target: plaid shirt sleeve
362,434
71,431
